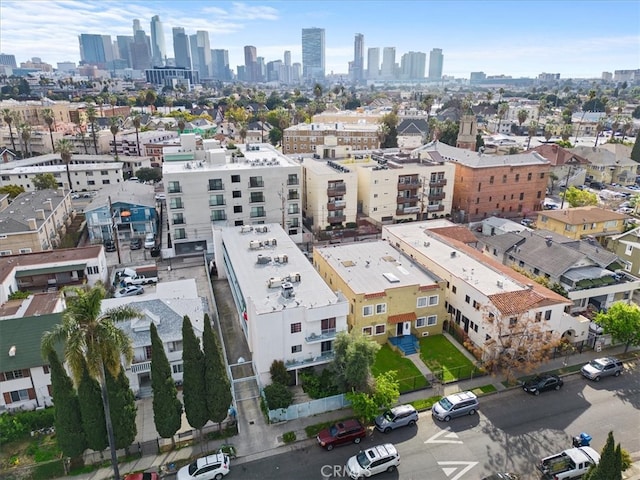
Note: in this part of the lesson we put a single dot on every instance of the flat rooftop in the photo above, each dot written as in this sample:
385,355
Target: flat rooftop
253,277
375,267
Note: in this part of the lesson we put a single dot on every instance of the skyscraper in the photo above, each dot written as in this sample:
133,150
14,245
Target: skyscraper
412,66
220,64
136,26
388,68
92,49
201,53
8,60
313,54
250,63
124,43
358,58
140,51
158,49
286,73
373,63
435,64
181,49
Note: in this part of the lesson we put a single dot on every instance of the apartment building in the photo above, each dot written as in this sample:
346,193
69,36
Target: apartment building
88,176
35,221
360,116
286,311
31,111
485,299
322,138
330,194
507,186
127,142
389,295
211,186
582,222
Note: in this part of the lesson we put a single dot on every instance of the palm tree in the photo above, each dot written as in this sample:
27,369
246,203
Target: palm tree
181,124
565,133
65,148
90,337
489,96
383,133
82,137
548,131
626,126
92,115
136,123
522,116
317,91
8,116
49,118
599,129
532,129
150,98
115,128
503,109
243,131
592,95
501,92
25,135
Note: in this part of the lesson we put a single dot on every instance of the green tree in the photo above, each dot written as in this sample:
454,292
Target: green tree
522,116
25,136
279,373
386,392
114,127
12,190
149,174
49,118
532,129
610,465
136,121
635,151
93,419
9,117
44,181
579,198
275,135
622,322
277,396
65,149
68,421
94,344
391,121
194,389
92,116
354,356
167,409
122,403
218,386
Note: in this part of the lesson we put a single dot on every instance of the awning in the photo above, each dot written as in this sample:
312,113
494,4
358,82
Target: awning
402,317
47,270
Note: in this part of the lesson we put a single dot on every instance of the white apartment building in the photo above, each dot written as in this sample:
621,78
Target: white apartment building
330,193
83,177
287,312
212,186
482,294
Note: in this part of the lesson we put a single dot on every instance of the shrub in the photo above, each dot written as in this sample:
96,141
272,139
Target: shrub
289,437
15,426
279,373
351,224
277,396
19,295
318,386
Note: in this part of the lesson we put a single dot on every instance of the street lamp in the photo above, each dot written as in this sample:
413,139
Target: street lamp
571,163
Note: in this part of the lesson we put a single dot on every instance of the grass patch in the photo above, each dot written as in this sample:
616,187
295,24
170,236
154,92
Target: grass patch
485,389
289,437
408,375
425,403
313,430
440,355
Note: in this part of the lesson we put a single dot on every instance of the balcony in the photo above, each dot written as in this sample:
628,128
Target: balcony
435,208
408,185
293,196
333,206
177,221
141,367
438,183
436,196
256,184
336,190
217,204
309,362
220,217
336,219
257,199
258,214
293,181
216,186
411,199
408,210
174,189
324,335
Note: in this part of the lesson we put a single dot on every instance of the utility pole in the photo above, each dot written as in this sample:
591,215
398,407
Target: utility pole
423,180
282,200
114,231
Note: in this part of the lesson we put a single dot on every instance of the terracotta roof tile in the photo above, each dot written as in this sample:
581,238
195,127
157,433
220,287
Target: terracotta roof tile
375,295
402,317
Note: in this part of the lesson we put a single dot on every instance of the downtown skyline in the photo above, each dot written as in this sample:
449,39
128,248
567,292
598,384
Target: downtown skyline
499,41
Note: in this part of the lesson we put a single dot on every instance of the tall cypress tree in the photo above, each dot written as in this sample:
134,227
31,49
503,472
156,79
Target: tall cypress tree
167,409
193,387
216,380
93,422
635,151
610,466
122,404
68,422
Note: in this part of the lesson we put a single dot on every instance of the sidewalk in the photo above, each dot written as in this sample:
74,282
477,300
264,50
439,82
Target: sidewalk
257,439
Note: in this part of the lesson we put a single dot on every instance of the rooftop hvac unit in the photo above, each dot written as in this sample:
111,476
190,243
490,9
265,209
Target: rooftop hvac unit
275,282
263,259
282,258
255,244
287,290
246,228
500,283
272,241
262,229
294,277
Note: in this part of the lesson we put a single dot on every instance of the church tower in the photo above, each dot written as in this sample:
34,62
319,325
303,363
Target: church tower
467,133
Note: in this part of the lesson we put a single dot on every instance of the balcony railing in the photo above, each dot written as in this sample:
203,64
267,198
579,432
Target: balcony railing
174,190
314,360
177,221
408,210
293,196
324,335
216,186
336,190
336,219
408,185
293,181
141,367
412,198
219,218
258,214
217,204
436,196
438,183
256,184
256,200
435,208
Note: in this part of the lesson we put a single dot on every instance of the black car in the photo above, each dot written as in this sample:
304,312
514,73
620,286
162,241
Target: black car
540,383
110,246
136,244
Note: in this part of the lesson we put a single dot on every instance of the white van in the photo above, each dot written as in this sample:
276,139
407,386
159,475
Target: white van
150,240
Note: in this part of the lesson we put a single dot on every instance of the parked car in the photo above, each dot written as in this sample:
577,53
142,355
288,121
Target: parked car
602,367
210,467
136,244
374,460
130,291
161,196
400,416
541,383
110,246
597,185
150,240
340,433
142,476
455,405
527,222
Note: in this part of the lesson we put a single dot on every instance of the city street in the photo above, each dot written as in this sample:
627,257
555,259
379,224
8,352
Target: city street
512,433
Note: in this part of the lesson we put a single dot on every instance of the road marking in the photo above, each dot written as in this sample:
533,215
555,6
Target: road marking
448,471
447,433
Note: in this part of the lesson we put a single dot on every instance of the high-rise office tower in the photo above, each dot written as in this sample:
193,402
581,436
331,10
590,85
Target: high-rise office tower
388,68
124,43
250,63
158,49
412,66
141,51
92,48
136,26
273,71
373,63
285,70
358,59
201,53
181,48
220,64
313,54
435,64
8,60
261,70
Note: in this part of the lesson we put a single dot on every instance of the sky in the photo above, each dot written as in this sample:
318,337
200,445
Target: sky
521,38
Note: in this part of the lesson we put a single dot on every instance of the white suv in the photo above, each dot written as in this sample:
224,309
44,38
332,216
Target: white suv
374,460
602,367
211,467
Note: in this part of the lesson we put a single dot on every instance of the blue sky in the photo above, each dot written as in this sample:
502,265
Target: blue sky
576,38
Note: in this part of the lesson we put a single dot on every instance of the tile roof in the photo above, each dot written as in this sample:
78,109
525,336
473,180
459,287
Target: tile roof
581,215
480,160
462,234
558,155
514,303
402,317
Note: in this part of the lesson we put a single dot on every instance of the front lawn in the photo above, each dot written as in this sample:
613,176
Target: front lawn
408,375
445,360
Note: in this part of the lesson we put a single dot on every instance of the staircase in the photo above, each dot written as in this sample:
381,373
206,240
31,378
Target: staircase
406,343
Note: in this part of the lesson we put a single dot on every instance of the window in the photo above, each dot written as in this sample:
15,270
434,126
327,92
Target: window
467,299
237,209
296,327
326,347
529,175
215,184
93,270
19,395
538,316
547,315
106,182
177,368
292,179
235,178
367,310
513,321
177,218
180,233
25,250
421,302
216,200
380,329
104,172
432,320
504,179
454,289
628,250
256,182
433,300
175,203
521,195
421,322
517,177
257,212
91,182
256,197
367,331
218,215
491,180
296,348
175,346
174,187
381,308
12,375
236,194
328,325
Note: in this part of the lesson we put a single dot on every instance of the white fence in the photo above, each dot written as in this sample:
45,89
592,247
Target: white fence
307,409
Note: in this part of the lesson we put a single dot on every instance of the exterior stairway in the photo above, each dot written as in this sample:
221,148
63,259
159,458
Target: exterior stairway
406,343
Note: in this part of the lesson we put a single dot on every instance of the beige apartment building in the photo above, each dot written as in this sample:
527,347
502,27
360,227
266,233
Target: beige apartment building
34,221
319,138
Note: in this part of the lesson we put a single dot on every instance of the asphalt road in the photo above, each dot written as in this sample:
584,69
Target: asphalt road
512,432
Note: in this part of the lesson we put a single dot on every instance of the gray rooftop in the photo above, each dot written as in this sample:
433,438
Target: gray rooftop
14,218
375,267
477,159
133,193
